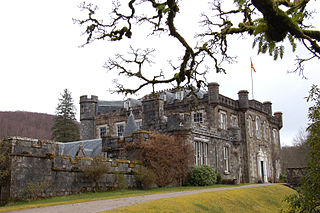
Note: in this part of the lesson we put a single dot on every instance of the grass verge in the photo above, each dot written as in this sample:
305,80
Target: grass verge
260,199
98,196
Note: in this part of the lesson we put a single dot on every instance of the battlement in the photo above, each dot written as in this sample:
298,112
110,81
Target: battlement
84,98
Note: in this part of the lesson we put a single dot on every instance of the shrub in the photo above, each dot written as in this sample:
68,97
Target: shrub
202,176
34,190
120,180
219,178
146,178
95,171
4,162
283,178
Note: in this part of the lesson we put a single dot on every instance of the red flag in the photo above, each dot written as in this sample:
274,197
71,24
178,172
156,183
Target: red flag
252,67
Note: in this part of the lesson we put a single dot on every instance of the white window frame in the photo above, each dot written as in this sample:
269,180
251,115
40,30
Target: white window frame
123,124
139,123
226,159
99,127
223,119
195,146
200,153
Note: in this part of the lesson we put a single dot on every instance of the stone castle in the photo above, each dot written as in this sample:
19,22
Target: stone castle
239,138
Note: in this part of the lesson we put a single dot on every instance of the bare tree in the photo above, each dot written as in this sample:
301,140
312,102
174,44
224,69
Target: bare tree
295,156
269,22
169,157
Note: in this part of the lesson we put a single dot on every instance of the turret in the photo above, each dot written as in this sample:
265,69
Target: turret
213,93
88,110
278,116
152,113
243,99
267,105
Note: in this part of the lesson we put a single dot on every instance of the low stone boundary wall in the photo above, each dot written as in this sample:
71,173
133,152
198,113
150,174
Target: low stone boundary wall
36,165
295,175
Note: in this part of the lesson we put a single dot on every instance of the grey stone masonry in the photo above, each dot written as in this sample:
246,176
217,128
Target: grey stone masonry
239,138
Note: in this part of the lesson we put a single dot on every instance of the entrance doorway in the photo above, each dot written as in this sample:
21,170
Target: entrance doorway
262,171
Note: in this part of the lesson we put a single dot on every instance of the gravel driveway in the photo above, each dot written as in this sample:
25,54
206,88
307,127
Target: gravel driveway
101,205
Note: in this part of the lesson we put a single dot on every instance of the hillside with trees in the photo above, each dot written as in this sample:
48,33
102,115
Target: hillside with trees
26,124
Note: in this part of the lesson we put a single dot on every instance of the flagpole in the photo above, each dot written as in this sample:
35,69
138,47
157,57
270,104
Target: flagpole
251,77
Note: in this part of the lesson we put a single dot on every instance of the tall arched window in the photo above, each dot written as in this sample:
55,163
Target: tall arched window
250,126
226,159
265,130
258,132
275,136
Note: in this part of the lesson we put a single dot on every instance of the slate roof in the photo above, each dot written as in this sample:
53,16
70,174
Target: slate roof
107,106
131,125
91,148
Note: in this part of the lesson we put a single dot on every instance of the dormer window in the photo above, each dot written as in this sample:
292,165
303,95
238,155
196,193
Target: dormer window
127,104
164,97
179,95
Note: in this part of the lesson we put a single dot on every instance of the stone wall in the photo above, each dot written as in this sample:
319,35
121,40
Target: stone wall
37,162
295,176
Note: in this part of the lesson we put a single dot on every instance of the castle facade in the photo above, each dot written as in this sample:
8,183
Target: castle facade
239,138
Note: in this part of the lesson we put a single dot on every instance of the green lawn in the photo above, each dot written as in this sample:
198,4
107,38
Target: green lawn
260,199
98,196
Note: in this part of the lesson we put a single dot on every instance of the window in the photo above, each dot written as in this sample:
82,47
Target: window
226,158
82,110
223,119
120,129
200,153
139,123
103,131
275,136
197,117
250,130
234,121
179,95
164,97
258,134
127,104
265,130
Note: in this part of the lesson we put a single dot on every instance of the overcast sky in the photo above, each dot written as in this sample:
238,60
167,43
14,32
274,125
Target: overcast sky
40,56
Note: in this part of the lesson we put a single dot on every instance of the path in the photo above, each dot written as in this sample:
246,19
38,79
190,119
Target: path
101,205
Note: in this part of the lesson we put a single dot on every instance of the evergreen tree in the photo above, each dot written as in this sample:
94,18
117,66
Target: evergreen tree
65,128
308,198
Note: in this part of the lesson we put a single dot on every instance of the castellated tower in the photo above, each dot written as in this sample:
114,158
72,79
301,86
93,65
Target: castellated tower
88,111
